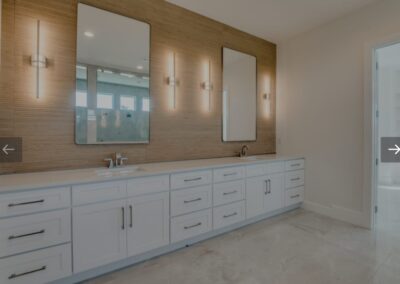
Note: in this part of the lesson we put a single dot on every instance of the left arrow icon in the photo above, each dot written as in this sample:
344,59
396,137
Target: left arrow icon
6,149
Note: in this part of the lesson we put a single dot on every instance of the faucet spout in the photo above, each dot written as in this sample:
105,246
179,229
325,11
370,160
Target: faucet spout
243,151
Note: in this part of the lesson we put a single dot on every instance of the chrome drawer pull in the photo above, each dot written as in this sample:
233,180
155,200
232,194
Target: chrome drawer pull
25,203
294,196
231,192
295,179
193,179
195,225
230,215
123,218
194,200
131,213
26,235
267,186
295,165
230,174
12,276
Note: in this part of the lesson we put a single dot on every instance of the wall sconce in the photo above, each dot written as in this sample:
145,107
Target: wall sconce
267,97
172,82
206,85
38,60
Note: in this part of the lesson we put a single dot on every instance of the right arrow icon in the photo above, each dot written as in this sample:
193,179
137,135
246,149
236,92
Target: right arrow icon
396,149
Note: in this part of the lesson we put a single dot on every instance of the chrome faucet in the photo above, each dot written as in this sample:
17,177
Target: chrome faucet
117,161
243,151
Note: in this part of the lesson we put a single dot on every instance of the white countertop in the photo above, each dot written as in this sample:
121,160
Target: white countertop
23,181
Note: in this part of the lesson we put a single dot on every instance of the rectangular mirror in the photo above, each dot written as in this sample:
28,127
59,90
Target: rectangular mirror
112,103
239,96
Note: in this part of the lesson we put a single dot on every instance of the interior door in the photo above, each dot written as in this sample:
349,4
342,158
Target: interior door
148,222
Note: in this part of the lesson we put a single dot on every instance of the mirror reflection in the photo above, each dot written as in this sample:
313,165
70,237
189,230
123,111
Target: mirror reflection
239,96
112,99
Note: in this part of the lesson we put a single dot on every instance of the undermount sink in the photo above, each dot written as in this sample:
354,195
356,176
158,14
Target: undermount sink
117,171
249,158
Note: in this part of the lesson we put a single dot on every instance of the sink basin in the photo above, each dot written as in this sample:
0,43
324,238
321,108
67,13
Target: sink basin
117,171
249,158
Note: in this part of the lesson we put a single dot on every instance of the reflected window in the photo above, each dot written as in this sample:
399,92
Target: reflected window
127,103
81,99
105,101
145,104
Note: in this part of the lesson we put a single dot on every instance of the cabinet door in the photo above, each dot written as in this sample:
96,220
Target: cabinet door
273,197
99,234
148,222
256,188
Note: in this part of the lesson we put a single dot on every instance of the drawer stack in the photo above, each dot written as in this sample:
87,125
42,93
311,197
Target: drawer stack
294,182
35,248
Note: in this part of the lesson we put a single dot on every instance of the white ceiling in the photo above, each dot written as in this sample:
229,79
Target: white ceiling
273,20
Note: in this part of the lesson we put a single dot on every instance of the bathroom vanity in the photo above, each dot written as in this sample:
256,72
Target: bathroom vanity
68,226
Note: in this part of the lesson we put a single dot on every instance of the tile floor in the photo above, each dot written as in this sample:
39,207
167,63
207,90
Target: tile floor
297,247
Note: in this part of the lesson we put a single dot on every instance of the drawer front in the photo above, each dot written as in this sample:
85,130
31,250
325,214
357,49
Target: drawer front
148,185
275,167
227,174
294,179
191,179
256,170
229,214
191,199
294,196
97,192
189,226
229,192
38,267
12,204
25,233
294,165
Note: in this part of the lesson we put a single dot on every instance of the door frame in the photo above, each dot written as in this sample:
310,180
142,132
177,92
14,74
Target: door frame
371,119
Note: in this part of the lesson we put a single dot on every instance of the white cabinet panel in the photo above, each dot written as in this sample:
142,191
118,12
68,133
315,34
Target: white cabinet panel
38,267
99,234
294,196
190,179
294,165
25,233
294,179
191,225
147,185
12,204
274,194
228,192
229,214
191,199
97,192
228,174
148,222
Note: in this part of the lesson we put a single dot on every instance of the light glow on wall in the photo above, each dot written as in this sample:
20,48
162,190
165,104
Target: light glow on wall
171,81
267,97
207,86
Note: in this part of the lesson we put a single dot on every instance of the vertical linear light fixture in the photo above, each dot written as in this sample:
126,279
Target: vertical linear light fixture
38,60
207,85
171,81
267,96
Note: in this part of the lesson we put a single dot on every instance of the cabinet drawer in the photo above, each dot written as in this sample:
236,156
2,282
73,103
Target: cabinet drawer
228,214
294,179
294,165
188,226
189,179
228,192
12,204
227,174
25,233
147,185
42,266
97,192
294,196
191,199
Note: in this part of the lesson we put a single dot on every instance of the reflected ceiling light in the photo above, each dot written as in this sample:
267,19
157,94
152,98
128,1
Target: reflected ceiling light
145,78
127,75
88,34
81,67
139,67
108,71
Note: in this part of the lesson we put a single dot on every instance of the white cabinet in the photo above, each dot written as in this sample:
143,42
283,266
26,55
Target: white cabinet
99,234
264,194
148,222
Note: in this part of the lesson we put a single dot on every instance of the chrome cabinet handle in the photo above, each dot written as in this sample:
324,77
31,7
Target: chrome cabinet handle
267,186
230,215
295,196
25,203
230,192
193,200
230,174
131,213
193,179
123,218
295,179
14,275
12,237
192,226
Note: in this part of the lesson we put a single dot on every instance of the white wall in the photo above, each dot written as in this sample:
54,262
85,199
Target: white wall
321,106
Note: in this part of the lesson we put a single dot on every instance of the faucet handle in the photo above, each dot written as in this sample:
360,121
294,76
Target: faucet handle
122,160
110,162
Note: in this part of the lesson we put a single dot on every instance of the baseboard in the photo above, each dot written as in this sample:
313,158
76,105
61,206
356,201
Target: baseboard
336,212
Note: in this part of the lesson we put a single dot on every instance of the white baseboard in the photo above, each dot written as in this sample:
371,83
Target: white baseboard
336,212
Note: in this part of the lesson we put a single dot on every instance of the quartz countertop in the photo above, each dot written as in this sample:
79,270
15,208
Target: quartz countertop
24,181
